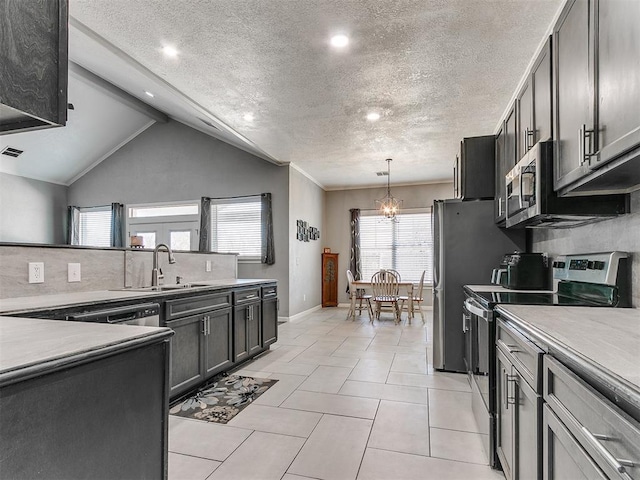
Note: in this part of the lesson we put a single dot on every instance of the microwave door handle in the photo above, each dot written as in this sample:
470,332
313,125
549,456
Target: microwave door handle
520,179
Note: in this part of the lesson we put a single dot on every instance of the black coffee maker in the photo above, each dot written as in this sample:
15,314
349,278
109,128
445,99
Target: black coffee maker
524,271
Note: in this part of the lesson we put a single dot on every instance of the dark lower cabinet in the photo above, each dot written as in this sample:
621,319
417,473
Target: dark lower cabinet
102,418
215,331
187,348
246,331
201,348
218,352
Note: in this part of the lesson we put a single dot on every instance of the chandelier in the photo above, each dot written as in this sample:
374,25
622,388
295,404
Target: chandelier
389,206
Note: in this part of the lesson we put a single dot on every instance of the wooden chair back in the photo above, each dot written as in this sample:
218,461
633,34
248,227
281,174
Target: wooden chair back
384,285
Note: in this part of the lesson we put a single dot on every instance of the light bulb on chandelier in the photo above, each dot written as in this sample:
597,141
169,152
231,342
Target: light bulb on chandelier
389,206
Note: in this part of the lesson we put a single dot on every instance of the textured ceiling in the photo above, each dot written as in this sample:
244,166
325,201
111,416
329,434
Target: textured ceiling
436,71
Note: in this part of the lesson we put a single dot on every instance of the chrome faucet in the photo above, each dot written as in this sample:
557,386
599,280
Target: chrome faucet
156,273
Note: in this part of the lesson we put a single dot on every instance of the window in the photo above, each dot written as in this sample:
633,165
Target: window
405,245
95,226
175,224
236,227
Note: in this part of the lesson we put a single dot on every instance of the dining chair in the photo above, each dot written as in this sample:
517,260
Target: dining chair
385,292
417,300
358,295
393,272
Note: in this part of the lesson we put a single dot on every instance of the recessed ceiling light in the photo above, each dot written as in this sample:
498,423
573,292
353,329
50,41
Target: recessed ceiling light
169,51
339,41
373,116
149,93
248,117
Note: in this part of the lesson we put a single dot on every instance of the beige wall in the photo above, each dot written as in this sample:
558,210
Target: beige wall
339,202
306,202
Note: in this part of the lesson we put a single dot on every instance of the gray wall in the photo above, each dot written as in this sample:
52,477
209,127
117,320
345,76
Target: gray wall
306,202
337,219
621,233
32,211
171,161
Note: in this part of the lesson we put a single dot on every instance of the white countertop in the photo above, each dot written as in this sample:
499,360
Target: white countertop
42,302
27,344
608,338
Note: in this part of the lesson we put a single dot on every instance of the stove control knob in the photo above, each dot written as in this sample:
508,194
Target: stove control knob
558,264
591,265
597,265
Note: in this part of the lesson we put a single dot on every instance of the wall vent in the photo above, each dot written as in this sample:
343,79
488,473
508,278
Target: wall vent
382,174
12,152
208,123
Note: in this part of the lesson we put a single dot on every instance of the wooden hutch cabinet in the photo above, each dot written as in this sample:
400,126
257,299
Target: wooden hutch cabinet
329,279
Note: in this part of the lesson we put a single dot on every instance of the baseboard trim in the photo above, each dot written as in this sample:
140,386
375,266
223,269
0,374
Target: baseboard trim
300,315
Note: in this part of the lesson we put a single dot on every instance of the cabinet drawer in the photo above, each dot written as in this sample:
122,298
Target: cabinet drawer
246,295
269,291
611,437
193,305
526,356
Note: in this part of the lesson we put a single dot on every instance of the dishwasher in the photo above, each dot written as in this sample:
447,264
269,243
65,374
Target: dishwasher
142,314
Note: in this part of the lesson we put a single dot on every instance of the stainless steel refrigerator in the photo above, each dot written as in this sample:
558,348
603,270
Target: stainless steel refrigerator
467,247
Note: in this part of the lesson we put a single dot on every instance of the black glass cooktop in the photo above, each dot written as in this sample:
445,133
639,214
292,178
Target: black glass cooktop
525,298
569,294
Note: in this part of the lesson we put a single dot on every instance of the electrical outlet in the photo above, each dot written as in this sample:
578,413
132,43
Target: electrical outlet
207,266
73,272
36,272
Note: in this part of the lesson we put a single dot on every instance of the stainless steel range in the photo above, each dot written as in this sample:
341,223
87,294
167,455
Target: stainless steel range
598,280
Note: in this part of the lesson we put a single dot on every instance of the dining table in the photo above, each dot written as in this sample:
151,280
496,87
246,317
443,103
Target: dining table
366,285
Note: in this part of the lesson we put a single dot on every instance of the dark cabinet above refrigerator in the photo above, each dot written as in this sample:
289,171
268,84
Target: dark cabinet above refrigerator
474,170
33,64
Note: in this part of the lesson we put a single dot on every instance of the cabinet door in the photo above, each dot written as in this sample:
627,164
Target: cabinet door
504,415
254,330
187,347
510,140
240,332
269,322
218,345
524,120
618,78
573,92
541,82
563,457
329,279
501,171
528,442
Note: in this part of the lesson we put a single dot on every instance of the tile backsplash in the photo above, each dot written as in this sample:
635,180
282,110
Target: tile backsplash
101,269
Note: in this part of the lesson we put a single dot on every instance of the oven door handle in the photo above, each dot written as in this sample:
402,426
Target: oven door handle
474,307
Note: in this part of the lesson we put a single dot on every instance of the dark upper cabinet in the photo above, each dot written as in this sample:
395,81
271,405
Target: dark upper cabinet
596,90
501,171
33,64
510,139
533,105
474,168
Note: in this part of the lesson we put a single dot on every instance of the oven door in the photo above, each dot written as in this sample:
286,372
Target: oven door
483,377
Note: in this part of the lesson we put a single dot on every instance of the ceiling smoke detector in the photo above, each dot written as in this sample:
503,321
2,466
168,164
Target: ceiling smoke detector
12,152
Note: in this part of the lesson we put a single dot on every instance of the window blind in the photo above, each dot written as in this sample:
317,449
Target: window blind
236,227
95,226
405,245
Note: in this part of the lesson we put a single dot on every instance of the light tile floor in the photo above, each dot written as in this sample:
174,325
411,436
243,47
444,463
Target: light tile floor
352,401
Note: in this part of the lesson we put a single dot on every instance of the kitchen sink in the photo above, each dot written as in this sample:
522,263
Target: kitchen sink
163,288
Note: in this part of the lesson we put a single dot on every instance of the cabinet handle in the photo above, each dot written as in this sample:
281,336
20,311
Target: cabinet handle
253,295
499,206
584,151
465,323
204,325
511,399
208,325
513,349
505,393
616,463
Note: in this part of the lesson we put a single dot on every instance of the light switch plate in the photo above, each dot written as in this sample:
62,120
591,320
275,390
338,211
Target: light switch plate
73,272
36,272
207,266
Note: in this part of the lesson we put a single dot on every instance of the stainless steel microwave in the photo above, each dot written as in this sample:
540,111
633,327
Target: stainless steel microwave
532,202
